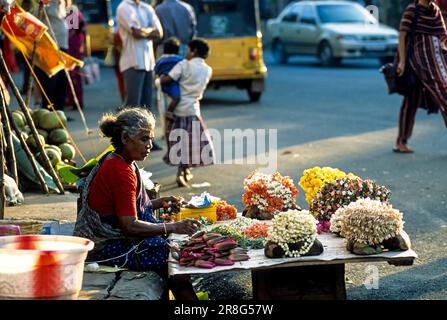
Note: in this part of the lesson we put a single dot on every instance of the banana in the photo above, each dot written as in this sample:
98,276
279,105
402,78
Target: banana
204,264
223,262
238,257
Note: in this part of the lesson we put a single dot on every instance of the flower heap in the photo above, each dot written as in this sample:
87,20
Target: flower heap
368,222
225,211
341,192
313,179
270,193
293,227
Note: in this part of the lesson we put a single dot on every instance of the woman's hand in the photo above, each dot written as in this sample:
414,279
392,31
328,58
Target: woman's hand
187,226
175,202
401,68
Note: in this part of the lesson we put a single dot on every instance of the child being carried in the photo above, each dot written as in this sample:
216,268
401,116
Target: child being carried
167,61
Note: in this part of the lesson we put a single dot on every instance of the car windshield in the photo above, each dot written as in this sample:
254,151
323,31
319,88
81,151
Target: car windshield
225,18
342,13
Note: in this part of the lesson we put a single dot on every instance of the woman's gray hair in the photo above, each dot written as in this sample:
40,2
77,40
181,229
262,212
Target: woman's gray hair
130,121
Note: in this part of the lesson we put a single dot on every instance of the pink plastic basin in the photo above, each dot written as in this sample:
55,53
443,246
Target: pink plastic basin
42,266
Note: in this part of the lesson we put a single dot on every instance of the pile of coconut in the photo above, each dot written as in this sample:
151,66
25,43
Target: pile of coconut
51,134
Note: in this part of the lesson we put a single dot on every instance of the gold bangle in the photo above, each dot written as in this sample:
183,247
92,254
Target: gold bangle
166,230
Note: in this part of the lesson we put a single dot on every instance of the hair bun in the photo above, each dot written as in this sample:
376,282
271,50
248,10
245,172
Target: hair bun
107,125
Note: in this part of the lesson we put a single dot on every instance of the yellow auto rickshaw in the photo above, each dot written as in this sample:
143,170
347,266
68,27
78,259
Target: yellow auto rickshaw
232,28
100,22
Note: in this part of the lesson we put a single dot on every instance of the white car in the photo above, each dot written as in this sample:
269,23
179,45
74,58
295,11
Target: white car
330,30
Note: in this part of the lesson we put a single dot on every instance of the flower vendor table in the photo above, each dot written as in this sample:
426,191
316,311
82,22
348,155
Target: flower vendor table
313,277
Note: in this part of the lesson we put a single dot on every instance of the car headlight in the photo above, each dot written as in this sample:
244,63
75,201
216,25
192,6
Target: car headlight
393,37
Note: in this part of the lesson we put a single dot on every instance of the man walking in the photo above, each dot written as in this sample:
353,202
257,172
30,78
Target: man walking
178,20
138,27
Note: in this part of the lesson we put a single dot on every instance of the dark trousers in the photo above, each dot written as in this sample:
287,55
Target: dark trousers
55,88
407,116
138,85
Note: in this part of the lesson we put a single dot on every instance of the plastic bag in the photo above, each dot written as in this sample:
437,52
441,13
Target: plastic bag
91,71
13,195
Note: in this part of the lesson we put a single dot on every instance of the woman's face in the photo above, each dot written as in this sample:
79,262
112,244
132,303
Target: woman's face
137,148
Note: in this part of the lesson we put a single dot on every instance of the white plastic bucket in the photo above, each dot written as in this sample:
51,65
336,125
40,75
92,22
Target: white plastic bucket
42,266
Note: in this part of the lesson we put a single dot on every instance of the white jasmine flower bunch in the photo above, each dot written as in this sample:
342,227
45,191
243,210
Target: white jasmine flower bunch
290,227
368,221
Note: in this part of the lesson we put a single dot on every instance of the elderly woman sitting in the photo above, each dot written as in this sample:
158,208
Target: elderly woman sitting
117,213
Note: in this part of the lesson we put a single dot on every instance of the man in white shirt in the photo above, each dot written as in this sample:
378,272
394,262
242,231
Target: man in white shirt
138,27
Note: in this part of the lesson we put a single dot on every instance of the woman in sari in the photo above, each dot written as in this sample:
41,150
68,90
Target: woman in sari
428,62
116,212
76,48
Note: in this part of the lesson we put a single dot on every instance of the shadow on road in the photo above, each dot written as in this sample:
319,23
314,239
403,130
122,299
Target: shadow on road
412,284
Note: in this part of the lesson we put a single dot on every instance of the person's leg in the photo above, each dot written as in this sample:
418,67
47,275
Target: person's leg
146,101
182,288
146,91
181,180
133,84
60,84
407,117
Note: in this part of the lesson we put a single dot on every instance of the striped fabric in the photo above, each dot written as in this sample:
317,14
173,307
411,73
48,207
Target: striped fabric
189,143
429,62
430,20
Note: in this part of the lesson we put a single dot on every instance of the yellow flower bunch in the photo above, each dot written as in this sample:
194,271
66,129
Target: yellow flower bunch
313,179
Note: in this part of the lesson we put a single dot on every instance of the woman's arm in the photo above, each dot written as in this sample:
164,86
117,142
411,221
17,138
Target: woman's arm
133,227
402,53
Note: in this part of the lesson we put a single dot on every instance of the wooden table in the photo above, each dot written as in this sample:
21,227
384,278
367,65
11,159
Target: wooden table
316,277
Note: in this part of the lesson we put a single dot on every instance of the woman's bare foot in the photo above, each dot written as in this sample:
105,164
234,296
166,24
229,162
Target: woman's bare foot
402,148
181,180
188,174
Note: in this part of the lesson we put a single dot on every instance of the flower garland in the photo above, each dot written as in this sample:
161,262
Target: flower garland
270,193
292,227
341,192
369,221
313,179
225,211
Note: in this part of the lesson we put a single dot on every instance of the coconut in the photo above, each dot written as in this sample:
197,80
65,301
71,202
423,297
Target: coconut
62,116
52,154
31,142
18,119
68,151
49,122
55,148
58,136
38,114
44,134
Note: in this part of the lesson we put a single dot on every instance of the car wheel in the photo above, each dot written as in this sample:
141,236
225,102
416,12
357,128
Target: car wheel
254,96
326,56
279,53
386,60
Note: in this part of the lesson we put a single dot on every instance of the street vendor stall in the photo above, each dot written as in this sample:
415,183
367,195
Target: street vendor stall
294,253
292,278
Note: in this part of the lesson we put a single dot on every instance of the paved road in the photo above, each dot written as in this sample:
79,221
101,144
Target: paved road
339,117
